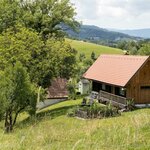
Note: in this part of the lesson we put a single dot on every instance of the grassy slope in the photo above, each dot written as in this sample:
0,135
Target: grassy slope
54,130
87,48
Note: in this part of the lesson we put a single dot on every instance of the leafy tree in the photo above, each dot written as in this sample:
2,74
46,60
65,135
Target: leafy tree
93,56
82,57
44,16
47,16
25,46
133,51
88,62
122,45
145,49
82,68
63,58
10,14
72,88
43,60
17,94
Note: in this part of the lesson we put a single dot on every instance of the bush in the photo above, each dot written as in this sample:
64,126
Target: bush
94,111
71,112
110,111
130,105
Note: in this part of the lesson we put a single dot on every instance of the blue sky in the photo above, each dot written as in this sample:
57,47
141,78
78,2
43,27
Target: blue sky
119,14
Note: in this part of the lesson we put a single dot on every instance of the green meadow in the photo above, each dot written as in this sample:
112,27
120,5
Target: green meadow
51,129
88,48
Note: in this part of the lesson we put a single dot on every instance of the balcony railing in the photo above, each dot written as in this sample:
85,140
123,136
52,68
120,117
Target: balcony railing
105,96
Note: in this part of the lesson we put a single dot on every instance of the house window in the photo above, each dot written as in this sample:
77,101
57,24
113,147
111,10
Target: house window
96,86
122,91
145,87
103,87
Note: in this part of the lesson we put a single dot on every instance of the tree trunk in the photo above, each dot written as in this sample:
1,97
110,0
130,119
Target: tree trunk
8,122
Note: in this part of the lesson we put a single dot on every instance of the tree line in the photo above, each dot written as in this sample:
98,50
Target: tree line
135,47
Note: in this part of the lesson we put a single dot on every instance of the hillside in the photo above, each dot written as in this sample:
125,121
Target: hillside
94,33
88,48
52,129
144,33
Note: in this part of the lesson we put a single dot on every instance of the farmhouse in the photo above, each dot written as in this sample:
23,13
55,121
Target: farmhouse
118,78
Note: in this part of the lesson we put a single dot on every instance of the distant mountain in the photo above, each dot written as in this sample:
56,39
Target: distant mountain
90,32
144,33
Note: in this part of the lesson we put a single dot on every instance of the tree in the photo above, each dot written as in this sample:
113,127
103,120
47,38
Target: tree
10,14
72,88
145,49
44,16
122,45
93,57
43,60
63,58
24,46
133,51
82,57
17,94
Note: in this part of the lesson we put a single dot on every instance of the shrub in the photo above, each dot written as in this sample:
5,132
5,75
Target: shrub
72,112
110,111
94,111
130,105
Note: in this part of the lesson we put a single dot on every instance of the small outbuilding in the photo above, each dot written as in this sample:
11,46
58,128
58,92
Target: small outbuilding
118,78
84,86
58,89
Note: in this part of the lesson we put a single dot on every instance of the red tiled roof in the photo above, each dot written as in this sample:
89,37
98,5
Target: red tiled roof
58,88
115,69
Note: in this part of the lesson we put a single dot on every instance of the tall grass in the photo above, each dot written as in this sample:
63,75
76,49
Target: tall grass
52,129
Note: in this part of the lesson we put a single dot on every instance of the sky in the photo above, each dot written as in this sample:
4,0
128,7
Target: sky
117,14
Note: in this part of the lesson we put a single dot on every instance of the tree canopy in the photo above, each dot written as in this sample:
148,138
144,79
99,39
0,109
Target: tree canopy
44,16
42,60
145,49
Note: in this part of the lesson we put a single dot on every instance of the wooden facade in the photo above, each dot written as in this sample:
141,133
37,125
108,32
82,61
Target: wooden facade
138,88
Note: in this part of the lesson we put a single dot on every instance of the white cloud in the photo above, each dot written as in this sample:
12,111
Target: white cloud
114,13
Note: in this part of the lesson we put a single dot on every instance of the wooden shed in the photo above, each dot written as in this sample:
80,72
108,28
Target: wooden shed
121,77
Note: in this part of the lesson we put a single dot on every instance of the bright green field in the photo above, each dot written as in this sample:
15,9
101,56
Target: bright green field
88,48
53,130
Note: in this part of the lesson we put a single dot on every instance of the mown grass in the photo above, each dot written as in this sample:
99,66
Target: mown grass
52,129
88,48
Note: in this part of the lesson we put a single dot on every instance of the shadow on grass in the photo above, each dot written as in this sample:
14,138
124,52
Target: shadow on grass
50,114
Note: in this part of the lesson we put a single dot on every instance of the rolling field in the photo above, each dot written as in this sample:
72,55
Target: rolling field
88,48
53,130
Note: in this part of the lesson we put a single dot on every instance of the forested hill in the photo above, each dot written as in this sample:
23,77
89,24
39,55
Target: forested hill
144,33
87,32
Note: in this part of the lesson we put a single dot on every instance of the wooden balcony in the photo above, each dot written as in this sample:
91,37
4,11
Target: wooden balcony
114,99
